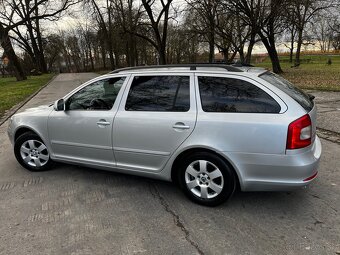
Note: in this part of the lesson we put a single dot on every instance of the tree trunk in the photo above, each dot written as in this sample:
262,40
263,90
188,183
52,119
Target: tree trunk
162,56
292,41
269,43
211,47
85,61
117,62
231,59
103,53
112,59
41,56
225,53
68,62
250,49
161,49
298,48
241,53
91,58
6,44
128,53
109,36
36,59
136,56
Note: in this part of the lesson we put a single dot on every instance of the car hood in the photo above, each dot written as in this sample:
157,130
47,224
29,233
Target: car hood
39,109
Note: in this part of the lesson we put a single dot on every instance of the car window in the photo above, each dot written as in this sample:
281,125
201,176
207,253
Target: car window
219,94
297,94
159,93
99,95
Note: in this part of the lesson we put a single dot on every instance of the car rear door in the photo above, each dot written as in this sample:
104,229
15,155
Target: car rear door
157,114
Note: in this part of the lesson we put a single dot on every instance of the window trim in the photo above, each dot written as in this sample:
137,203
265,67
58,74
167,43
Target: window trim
254,82
192,92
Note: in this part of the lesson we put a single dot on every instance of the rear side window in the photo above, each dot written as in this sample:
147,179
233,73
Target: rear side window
159,93
297,94
219,94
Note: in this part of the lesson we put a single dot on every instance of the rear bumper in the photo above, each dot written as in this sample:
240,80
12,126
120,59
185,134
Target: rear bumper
269,172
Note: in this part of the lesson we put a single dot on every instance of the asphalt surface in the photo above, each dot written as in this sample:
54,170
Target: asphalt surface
76,210
328,110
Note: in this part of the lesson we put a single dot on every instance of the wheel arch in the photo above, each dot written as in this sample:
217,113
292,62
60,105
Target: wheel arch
25,129
22,130
183,154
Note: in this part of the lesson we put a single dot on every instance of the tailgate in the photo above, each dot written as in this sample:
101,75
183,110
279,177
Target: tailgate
312,115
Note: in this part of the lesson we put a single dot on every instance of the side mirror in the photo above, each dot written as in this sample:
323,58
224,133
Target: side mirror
59,105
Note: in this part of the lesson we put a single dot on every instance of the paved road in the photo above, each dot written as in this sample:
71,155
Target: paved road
328,109
74,210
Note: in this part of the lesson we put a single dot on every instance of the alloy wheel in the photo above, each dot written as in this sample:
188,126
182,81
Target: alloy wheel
34,153
204,179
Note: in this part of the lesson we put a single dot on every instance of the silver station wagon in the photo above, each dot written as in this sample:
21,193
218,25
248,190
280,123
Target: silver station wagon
209,128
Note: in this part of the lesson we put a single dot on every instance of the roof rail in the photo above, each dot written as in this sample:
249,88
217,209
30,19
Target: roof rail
238,64
191,66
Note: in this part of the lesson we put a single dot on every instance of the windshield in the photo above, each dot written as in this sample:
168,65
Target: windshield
297,94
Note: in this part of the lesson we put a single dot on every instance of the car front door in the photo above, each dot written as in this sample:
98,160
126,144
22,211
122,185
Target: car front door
83,131
157,113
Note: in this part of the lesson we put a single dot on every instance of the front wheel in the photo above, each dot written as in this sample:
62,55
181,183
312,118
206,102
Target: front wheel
206,179
32,153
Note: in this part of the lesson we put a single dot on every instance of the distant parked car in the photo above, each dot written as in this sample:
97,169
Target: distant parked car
209,128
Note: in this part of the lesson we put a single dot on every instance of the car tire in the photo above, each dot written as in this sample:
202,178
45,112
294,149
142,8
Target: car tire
206,179
32,153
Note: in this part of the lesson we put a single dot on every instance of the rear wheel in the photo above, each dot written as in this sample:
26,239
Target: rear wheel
206,179
32,153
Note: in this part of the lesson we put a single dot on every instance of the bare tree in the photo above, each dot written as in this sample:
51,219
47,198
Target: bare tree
322,32
53,50
263,16
159,25
335,30
128,16
205,21
236,37
270,27
289,35
12,16
151,26
6,44
87,36
304,11
104,15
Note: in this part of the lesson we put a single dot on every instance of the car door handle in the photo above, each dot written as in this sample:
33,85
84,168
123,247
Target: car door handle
180,125
103,123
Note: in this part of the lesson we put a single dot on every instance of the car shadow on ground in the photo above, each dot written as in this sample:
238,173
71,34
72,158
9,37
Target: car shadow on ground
282,201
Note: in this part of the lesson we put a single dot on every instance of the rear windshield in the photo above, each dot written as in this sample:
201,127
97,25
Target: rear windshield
297,94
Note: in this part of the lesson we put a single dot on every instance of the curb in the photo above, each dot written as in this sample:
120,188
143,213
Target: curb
17,107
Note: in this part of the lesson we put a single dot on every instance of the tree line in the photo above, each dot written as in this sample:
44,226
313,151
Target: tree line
117,33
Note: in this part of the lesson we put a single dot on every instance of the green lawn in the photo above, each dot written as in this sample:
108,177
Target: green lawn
313,73
13,92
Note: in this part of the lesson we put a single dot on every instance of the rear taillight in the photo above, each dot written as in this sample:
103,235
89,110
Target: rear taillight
299,133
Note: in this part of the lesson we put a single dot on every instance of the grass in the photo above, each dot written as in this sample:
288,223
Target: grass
13,92
102,72
313,73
